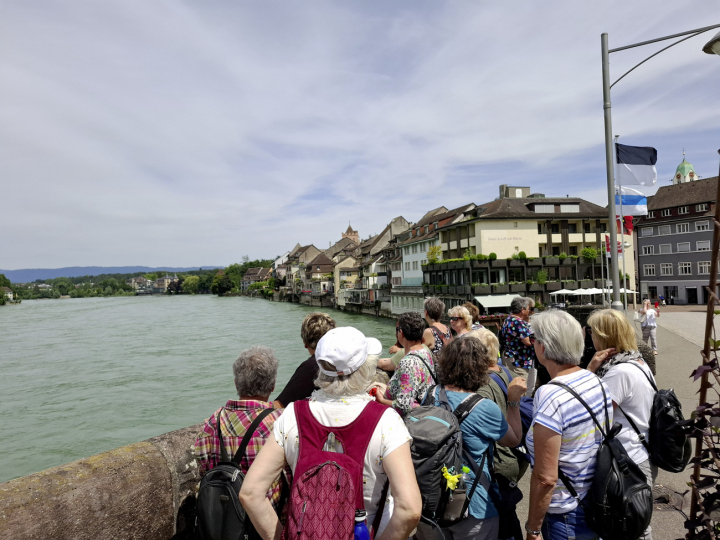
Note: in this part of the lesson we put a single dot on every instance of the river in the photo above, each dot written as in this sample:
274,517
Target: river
82,376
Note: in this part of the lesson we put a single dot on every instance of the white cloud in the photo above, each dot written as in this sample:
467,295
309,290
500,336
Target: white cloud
164,133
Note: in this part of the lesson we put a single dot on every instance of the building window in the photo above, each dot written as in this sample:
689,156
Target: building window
666,269
683,247
407,266
651,214
586,227
684,269
701,207
704,267
702,225
544,208
682,210
682,228
648,250
540,228
665,248
415,265
664,229
471,230
414,248
704,245
648,269
424,261
665,213
603,227
646,231
570,208
407,250
555,228
572,228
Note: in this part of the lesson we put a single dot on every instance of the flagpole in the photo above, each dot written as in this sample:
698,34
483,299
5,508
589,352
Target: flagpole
622,226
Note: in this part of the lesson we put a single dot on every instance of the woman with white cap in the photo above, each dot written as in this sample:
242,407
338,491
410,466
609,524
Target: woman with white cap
346,361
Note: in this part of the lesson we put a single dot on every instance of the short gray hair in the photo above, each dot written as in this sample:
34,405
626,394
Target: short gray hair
560,334
519,303
255,371
349,385
434,307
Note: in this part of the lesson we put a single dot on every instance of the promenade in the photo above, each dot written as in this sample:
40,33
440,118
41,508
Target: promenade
680,335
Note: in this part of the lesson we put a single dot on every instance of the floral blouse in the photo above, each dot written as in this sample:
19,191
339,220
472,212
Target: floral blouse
410,381
510,336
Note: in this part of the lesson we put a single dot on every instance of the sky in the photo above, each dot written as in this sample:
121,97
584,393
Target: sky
176,133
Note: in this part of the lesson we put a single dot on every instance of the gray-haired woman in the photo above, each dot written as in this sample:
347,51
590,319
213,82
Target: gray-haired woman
346,362
562,434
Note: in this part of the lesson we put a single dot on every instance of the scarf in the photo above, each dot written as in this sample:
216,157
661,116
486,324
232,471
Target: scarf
619,358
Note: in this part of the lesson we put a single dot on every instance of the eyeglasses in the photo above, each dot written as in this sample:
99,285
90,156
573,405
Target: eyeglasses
533,340
453,319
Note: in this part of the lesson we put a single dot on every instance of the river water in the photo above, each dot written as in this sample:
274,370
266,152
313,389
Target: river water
82,376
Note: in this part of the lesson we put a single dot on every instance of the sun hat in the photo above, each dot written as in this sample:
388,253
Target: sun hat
346,348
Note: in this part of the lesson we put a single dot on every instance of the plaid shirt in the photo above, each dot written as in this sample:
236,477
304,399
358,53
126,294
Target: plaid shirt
235,419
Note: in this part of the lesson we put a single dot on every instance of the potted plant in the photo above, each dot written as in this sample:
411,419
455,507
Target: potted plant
481,288
569,285
480,261
462,289
500,288
553,286
535,287
534,261
452,289
515,260
517,287
587,284
589,255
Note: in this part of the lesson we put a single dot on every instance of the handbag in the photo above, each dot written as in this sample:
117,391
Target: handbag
637,316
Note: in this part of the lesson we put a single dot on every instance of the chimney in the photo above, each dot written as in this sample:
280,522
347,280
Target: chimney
503,189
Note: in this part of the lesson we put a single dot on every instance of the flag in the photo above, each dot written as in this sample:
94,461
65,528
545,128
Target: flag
636,165
633,202
628,224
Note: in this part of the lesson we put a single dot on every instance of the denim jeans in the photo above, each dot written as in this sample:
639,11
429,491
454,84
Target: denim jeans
568,526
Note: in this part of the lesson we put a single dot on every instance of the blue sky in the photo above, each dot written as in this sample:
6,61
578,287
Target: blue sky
184,133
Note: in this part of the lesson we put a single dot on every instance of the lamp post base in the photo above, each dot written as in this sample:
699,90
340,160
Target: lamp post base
618,306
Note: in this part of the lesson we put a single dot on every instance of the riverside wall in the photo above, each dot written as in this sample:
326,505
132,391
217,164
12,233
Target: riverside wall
145,490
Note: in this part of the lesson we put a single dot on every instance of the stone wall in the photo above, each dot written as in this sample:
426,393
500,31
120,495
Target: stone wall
143,491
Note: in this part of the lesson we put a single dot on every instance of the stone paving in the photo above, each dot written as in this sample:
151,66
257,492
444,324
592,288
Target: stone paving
680,335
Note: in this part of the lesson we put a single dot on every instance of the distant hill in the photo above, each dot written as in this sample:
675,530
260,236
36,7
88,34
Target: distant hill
28,275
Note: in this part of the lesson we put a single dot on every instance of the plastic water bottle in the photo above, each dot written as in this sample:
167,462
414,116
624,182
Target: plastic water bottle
361,530
466,477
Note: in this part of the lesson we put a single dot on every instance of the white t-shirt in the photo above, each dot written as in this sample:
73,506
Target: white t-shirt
650,318
631,390
389,434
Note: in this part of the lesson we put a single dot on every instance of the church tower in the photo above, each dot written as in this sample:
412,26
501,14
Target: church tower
684,173
352,235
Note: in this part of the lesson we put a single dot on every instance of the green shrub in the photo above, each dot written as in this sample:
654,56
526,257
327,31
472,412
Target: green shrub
468,254
492,256
542,276
522,255
589,254
562,256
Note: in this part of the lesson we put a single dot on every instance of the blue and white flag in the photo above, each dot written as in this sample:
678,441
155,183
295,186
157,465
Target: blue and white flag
635,165
633,202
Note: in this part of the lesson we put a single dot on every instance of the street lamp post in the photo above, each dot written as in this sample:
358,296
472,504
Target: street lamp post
712,47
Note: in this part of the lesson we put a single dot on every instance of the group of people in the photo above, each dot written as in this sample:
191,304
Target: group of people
333,388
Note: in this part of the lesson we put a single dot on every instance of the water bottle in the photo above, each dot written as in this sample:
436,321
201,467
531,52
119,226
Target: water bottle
361,530
466,477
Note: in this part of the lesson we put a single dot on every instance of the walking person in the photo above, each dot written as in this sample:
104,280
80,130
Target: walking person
437,335
517,352
416,371
562,435
621,367
346,361
649,325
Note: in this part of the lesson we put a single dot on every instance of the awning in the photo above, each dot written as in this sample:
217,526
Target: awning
562,291
585,292
496,300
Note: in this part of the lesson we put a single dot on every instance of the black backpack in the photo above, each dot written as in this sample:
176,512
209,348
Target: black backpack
437,443
619,503
669,448
219,513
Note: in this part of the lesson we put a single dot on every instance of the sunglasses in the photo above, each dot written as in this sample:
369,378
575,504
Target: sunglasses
453,319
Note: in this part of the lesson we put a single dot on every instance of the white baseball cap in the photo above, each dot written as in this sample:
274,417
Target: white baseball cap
346,348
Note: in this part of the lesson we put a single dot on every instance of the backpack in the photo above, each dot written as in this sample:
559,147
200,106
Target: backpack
526,404
669,448
219,513
619,503
437,444
328,486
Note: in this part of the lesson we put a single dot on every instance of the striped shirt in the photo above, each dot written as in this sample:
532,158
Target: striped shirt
558,410
235,419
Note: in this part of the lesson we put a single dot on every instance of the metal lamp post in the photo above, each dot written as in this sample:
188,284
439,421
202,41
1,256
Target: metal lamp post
711,47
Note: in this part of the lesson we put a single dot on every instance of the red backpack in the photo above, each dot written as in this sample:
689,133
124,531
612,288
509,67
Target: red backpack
328,486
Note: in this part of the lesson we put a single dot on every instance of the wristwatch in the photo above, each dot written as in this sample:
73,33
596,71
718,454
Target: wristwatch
513,403
528,529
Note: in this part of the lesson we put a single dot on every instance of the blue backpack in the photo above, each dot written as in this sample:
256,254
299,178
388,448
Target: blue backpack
526,403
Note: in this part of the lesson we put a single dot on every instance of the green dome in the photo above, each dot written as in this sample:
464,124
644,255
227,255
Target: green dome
684,168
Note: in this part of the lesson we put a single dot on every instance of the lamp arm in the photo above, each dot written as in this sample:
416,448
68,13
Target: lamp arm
696,31
655,54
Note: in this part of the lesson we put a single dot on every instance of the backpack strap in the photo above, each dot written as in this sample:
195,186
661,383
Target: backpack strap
466,406
480,478
652,383
498,379
248,435
640,435
380,509
434,376
439,333
592,413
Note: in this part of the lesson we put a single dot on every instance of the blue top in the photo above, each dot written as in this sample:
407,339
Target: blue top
484,425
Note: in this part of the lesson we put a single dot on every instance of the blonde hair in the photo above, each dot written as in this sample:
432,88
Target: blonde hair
611,328
463,313
490,341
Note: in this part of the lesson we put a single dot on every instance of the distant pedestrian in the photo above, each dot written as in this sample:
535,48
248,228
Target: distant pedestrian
514,336
301,385
437,334
649,324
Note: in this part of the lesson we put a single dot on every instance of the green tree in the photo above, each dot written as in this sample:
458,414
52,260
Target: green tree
589,254
5,282
221,284
434,254
191,284
151,277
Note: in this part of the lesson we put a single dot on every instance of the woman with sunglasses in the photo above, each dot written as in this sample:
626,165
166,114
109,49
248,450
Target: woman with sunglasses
460,320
